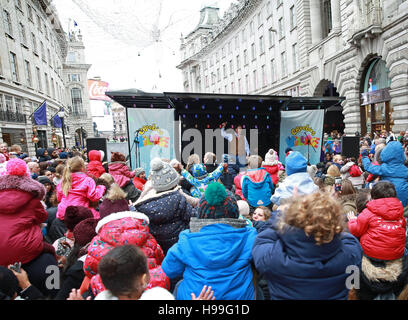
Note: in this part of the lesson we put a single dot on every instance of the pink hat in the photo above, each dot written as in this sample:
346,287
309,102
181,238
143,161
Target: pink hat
17,167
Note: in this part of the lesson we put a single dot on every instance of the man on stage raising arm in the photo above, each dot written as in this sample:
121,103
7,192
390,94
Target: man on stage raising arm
238,145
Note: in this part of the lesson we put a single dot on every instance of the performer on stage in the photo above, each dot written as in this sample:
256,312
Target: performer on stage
238,145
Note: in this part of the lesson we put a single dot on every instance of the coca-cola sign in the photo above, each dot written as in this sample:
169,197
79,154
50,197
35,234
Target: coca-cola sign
97,90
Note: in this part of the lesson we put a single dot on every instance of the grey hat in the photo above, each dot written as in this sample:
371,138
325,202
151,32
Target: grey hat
138,171
162,175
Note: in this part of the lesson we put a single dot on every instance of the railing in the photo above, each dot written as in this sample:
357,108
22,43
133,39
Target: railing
9,116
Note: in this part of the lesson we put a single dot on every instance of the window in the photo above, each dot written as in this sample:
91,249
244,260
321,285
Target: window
23,36
47,84
232,87
259,19
9,103
284,65
239,86
243,33
245,57
42,50
34,40
206,82
18,4
39,81
264,76
224,70
292,17
39,26
281,31
30,12
247,84
251,28
216,57
253,51
223,52
295,58
27,68
327,18
226,89
218,75
279,2
273,72
237,42
255,76
269,8
76,97
71,57
261,45
211,61
14,67
212,78
49,56
52,88
238,63
7,23
2,108
229,47
271,35
231,65
19,105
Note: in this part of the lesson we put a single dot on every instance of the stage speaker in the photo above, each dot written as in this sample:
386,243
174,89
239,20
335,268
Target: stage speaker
97,144
350,147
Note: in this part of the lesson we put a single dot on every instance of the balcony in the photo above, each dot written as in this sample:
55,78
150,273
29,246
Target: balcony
15,117
79,114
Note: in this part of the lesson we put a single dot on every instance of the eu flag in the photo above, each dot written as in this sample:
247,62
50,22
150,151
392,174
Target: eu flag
57,122
40,115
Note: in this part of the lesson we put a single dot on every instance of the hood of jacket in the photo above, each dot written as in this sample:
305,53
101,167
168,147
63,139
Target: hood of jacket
257,175
387,208
95,155
393,153
27,189
40,152
78,178
116,166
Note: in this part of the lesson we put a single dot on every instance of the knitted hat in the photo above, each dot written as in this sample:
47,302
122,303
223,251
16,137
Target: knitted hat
85,231
217,203
295,163
108,206
74,215
162,175
63,155
271,158
199,171
138,171
44,180
17,167
243,207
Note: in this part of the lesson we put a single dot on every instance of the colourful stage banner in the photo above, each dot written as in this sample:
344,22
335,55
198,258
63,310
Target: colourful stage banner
153,129
302,131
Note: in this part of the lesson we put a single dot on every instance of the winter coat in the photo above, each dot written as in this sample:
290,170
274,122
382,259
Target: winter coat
238,186
121,173
169,214
381,229
139,183
218,255
227,178
301,180
41,157
21,213
274,172
298,269
199,185
355,181
84,190
95,167
257,187
392,169
118,229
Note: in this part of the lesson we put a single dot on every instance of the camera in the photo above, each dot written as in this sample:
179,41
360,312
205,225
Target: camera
337,184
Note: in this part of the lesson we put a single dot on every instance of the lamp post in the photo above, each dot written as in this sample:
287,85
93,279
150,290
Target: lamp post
61,114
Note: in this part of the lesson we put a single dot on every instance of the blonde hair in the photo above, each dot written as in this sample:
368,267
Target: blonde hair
209,158
75,164
192,160
116,193
333,171
337,157
107,178
266,211
318,214
59,170
254,162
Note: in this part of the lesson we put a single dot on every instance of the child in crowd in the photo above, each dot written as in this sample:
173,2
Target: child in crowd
261,214
272,165
140,178
244,211
353,172
381,226
95,167
77,189
310,252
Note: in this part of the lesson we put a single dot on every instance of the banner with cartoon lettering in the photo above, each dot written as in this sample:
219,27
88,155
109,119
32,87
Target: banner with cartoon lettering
153,129
302,131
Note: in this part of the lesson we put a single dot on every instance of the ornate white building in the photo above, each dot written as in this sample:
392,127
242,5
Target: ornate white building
34,68
355,49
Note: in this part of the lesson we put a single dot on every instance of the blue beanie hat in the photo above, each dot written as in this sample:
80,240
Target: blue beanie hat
295,163
199,171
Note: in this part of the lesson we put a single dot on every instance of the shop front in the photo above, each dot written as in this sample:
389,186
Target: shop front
15,136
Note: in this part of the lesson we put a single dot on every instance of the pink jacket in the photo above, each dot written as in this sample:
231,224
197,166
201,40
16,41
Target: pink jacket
121,173
84,190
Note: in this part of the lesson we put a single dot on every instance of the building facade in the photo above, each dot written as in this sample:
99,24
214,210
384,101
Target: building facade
33,53
349,48
119,121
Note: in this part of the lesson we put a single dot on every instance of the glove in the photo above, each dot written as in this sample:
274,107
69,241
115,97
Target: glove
364,153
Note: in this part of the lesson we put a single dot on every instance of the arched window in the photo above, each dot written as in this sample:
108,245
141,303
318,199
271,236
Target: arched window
76,97
377,76
326,17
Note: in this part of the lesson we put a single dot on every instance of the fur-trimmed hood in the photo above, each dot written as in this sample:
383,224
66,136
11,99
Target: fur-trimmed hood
23,184
152,194
120,215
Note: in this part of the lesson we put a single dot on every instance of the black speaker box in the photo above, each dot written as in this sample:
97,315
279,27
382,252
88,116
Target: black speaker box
97,144
350,147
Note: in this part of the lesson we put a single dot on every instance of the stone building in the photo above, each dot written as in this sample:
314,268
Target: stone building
33,53
349,48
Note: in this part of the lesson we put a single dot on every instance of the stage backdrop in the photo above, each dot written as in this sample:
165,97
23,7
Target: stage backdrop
302,131
156,135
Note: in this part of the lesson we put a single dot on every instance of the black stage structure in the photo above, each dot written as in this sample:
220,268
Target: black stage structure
208,111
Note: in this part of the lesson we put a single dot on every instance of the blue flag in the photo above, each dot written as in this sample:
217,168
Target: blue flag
57,122
40,115
75,24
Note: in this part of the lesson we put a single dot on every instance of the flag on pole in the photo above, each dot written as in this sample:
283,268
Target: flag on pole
57,122
40,115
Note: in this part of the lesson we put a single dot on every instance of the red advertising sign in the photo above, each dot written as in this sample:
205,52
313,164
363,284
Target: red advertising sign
97,90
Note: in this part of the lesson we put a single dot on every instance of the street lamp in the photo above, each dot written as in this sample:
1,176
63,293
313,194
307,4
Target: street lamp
61,114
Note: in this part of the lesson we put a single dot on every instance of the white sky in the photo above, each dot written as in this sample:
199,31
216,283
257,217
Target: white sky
115,31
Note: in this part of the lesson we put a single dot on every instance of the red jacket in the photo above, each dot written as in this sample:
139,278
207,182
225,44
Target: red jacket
237,182
381,229
273,171
122,228
121,173
95,167
21,213
139,183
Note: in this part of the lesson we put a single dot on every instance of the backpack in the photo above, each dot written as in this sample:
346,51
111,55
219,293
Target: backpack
259,193
355,171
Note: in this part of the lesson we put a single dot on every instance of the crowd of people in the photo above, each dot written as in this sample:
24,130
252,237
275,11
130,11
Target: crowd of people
207,230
